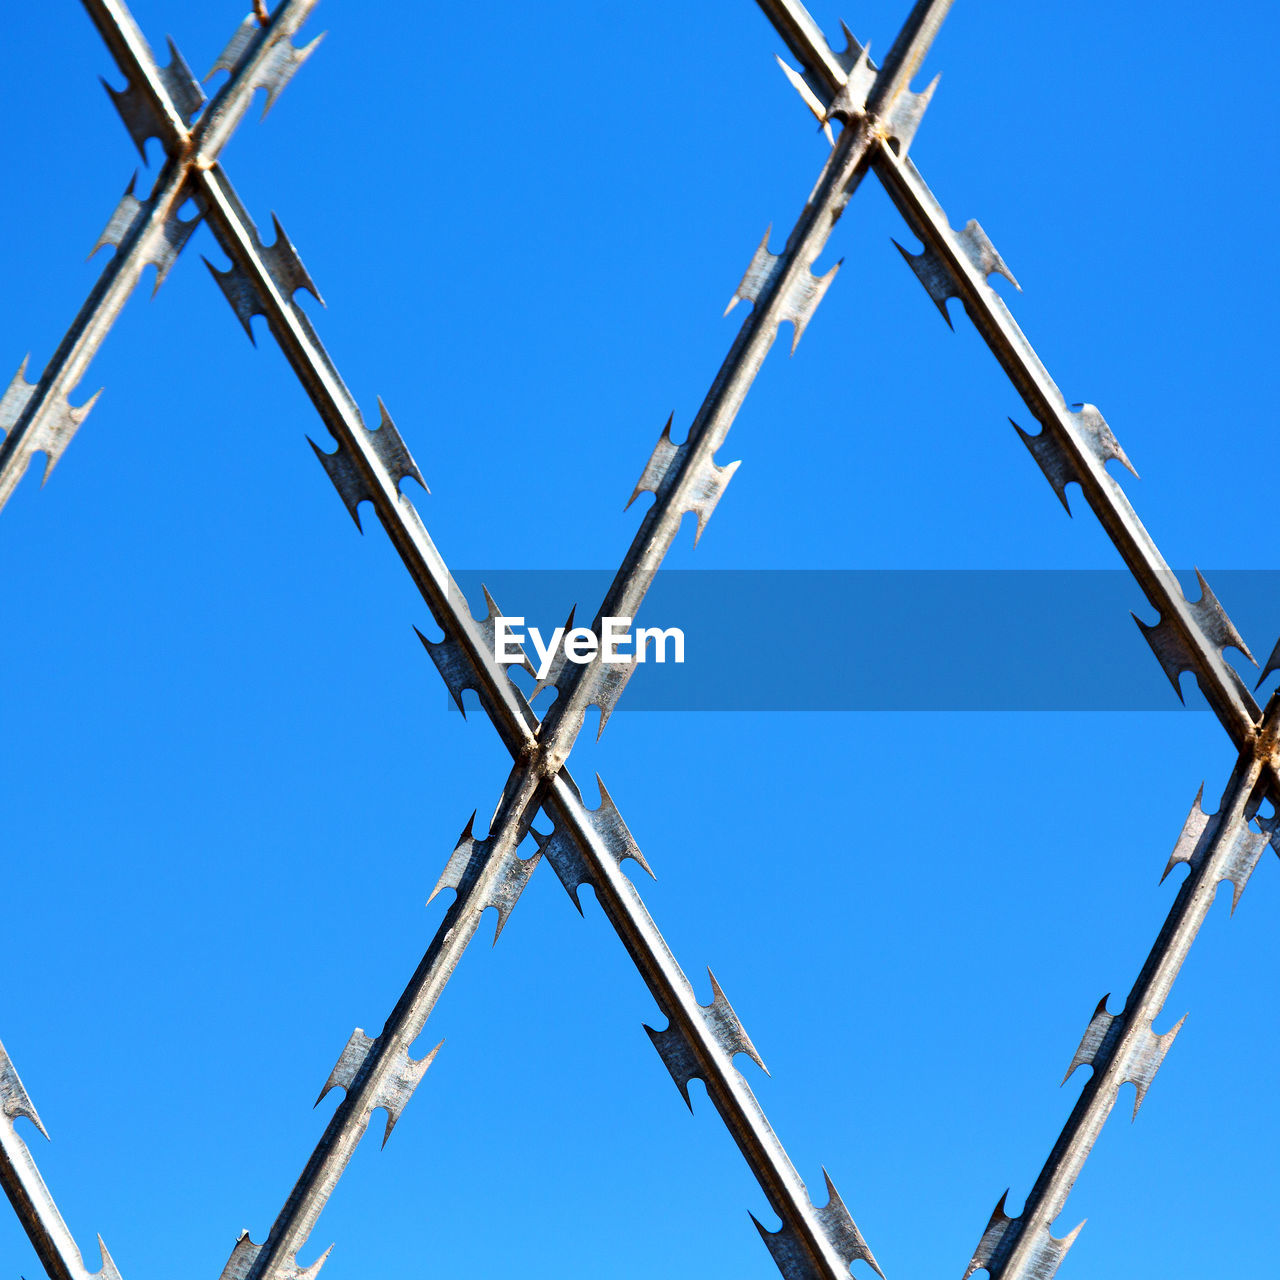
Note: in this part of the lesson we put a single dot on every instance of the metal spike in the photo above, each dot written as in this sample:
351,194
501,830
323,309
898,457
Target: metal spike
1273,664
284,60
245,1254
1171,647
454,662
852,51
983,254
280,61
904,119
400,1084
341,468
708,486
566,860
558,659
1237,849
841,1229
244,300
705,487
1271,827
608,681
57,425
174,234
850,100
122,219
1241,858
230,58
801,85
1139,1061
138,108
1039,1262
789,1256
1048,452
825,73
109,1270
1214,622
54,429
1099,437
22,1183
387,442
802,298
471,856
489,628
793,1260
933,274
163,248
614,832
802,295
460,860
287,270
14,1099
13,404
727,1027
601,688
680,1059
565,854
997,1226
759,273
350,1060
184,90
287,273
492,611
910,47
1146,1057
660,462
397,1086
1193,837
48,432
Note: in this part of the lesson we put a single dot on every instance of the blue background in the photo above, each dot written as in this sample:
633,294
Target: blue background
229,775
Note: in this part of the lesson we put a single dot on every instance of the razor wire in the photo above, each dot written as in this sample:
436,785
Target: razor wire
878,115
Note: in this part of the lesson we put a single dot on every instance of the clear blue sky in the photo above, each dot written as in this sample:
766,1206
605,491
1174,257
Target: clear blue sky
229,776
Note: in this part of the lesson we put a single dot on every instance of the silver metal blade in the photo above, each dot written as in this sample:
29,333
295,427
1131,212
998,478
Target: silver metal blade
53,1243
